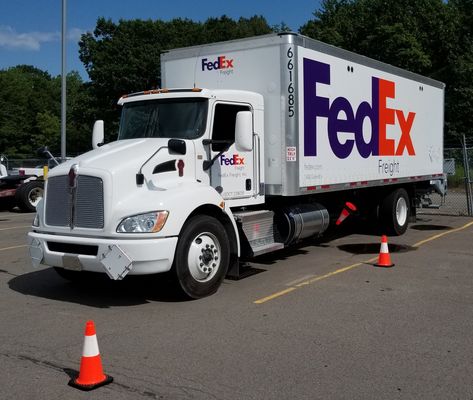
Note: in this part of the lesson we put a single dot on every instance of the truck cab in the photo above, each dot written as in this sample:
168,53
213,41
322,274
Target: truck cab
164,188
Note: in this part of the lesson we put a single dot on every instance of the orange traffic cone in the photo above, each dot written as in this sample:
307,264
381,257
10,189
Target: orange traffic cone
384,260
348,209
91,374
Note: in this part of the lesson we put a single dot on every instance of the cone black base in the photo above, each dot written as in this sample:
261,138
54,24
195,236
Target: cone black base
384,266
86,388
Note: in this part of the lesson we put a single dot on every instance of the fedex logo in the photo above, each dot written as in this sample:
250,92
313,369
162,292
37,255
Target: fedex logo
235,160
341,117
220,63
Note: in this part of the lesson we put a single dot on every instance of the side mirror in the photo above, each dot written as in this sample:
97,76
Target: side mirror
244,131
177,146
97,134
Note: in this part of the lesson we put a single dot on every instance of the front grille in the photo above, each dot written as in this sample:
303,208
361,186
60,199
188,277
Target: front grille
73,248
82,208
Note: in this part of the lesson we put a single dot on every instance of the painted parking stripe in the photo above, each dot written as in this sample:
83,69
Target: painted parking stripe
14,247
15,227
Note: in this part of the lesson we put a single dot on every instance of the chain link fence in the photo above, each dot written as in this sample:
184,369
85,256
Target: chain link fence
458,165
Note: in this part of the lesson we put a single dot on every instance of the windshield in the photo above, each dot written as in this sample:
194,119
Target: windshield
172,118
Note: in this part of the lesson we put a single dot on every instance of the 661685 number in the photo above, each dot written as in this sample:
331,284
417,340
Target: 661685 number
290,88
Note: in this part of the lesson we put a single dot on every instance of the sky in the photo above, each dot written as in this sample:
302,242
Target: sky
30,30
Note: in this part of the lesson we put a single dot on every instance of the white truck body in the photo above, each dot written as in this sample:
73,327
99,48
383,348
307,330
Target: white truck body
288,71
283,133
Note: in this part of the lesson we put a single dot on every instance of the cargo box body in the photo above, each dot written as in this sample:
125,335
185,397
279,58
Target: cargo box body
334,120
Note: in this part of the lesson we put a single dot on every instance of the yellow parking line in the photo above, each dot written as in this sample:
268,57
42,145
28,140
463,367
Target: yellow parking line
348,268
15,227
273,296
418,244
14,247
338,271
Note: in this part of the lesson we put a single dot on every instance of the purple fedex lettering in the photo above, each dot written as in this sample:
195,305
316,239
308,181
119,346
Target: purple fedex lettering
314,106
236,159
317,106
220,63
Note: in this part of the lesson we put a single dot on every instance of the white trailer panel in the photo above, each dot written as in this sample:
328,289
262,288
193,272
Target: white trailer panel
358,123
327,111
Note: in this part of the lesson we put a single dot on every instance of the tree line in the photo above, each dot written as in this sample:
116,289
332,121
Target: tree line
430,37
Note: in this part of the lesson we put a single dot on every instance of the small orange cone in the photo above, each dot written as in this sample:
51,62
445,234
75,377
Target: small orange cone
91,374
384,259
348,209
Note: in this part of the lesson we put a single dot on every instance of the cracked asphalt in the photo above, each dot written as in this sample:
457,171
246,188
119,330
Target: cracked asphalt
317,322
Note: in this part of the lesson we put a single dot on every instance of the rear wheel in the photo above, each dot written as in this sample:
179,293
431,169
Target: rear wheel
202,256
29,194
394,212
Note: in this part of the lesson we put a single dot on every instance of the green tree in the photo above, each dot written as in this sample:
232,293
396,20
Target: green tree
25,93
48,128
30,109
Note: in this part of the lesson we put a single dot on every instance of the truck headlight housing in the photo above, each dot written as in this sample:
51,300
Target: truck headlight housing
150,222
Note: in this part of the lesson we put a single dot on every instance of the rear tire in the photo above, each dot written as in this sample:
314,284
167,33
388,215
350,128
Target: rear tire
29,194
202,257
394,212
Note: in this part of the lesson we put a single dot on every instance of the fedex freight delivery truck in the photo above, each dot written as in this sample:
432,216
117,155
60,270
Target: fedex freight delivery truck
251,146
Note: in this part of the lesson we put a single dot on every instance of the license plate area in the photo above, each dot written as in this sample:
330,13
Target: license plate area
71,263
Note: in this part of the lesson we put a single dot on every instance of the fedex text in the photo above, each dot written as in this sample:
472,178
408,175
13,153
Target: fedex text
343,117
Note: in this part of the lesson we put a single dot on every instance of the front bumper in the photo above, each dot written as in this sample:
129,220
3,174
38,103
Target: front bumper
136,256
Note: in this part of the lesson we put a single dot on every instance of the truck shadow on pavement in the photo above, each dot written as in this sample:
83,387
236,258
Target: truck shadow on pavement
98,291
352,227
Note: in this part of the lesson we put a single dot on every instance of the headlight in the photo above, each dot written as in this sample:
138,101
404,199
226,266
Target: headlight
144,223
36,220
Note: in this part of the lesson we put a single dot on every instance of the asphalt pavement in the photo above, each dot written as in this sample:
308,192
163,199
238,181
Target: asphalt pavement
318,321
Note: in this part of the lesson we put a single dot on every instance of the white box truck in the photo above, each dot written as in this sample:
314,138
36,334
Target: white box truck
251,146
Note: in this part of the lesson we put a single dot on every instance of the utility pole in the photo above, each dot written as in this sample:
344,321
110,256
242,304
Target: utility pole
63,83
466,165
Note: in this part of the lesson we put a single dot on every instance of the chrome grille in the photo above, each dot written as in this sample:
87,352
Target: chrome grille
58,202
88,210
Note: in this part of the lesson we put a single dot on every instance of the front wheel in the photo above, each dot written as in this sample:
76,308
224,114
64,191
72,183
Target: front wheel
202,256
394,212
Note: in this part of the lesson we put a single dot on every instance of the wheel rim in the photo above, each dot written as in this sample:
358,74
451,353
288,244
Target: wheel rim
401,211
204,257
34,196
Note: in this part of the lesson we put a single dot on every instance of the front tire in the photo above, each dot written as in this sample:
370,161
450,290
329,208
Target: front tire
202,257
394,212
